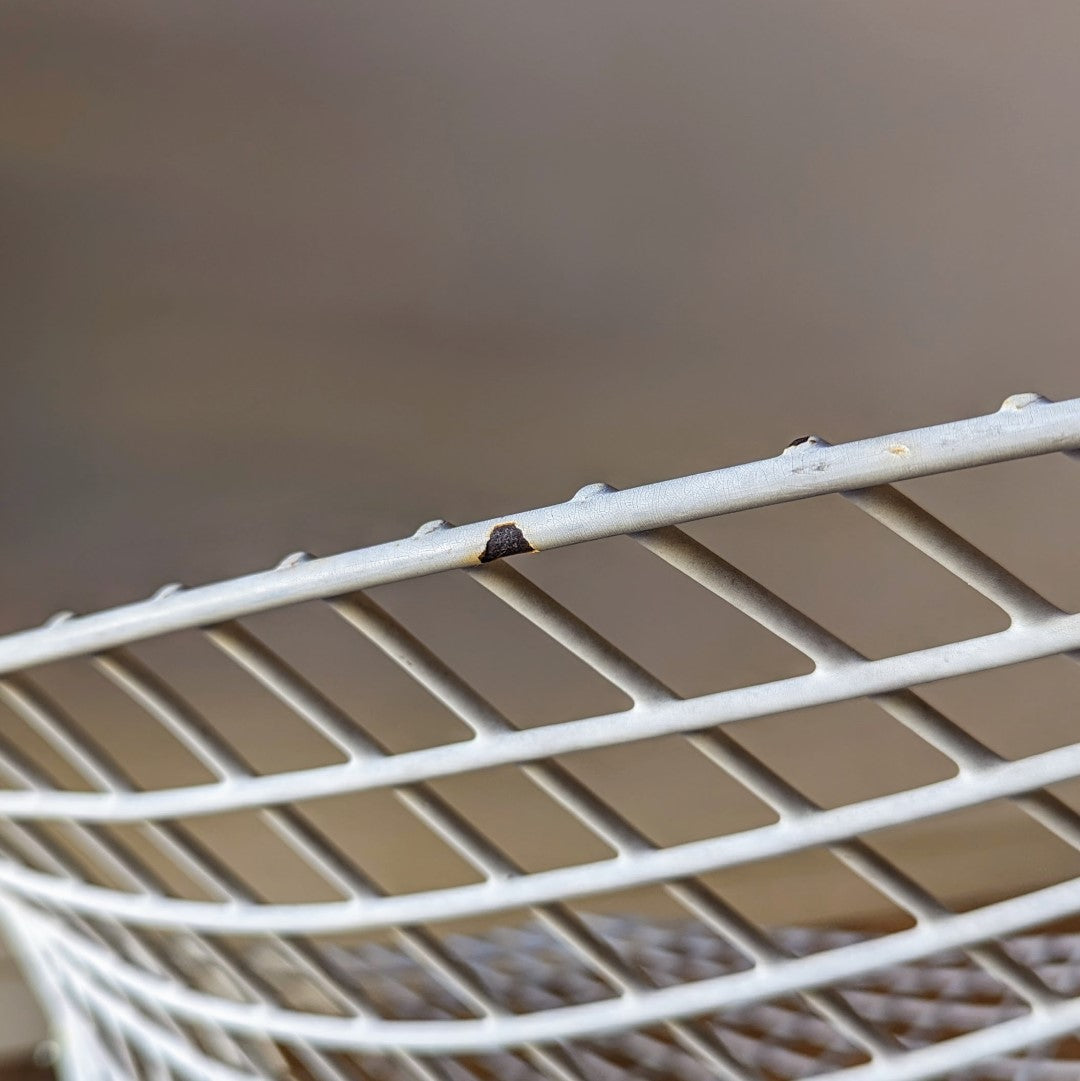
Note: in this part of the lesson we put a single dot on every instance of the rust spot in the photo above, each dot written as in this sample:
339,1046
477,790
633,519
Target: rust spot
505,540
899,449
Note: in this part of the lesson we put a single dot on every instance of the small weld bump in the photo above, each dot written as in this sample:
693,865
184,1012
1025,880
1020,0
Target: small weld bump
166,591
434,526
591,491
1015,402
293,559
803,443
59,617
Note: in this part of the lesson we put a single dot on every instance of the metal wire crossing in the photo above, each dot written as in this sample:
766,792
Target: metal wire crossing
142,983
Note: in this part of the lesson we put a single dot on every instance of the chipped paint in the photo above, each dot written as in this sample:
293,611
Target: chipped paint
505,539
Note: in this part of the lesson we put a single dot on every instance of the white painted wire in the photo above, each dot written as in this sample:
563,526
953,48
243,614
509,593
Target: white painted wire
142,983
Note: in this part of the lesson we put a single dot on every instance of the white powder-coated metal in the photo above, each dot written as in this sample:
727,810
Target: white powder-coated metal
141,982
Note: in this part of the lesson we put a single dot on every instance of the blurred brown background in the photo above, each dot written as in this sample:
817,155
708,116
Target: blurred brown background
277,276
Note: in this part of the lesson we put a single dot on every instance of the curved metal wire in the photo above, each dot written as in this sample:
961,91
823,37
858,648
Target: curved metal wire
141,982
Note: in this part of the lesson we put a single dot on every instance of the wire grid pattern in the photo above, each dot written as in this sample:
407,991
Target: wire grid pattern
140,982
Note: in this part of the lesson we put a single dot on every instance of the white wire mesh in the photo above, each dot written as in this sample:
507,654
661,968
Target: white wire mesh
143,979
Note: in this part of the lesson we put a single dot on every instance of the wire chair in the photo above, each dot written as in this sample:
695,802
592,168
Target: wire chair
143,979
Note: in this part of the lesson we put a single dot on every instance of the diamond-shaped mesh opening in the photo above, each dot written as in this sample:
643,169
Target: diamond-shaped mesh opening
71,692
522,820
843,752
395,849
528,677
1014,509
1016,711
155,848
863,583
980,854
266,735
361,680
663,620
81,851
669,790
248,846
29,759
810,888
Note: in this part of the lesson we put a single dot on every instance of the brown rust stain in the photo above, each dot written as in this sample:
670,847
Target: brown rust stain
899,449
505,539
